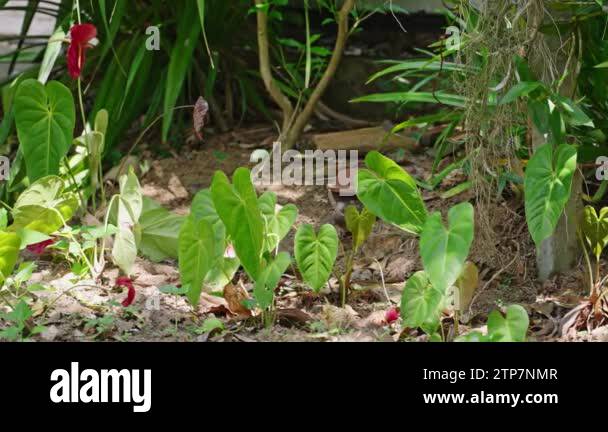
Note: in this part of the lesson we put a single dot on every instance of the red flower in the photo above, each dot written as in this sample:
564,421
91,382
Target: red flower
391,315
126,282
82,35
40,248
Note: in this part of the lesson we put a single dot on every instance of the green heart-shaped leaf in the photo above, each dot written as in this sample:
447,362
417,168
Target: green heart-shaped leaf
512,328
196,255
547,188
277,223
444,251
265,285
360,225
595,229
45,119
421,303
316,254
221,274
391,193
237,206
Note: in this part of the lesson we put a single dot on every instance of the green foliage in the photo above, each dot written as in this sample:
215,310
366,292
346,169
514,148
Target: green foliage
421,303
595,229
9,250
188,32
270,276
510,328
45,118
44,206
129,205
157,232
547,187
277,222
221,274
445,250
196,255
360,225
316,254
237,207
18,318
390,193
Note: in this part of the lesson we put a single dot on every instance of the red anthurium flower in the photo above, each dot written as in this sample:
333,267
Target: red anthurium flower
126,282
391,315
82,35
40,248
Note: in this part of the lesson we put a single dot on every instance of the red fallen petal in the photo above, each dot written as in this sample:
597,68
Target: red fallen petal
130,297
126,282
391,315
40,248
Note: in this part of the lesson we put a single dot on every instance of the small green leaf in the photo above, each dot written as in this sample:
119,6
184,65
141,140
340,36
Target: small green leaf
360,225
9,251
421,303
595,229
444,251
158,232
277,223
512,328
265,285
316,254
390,193
44,207
196,255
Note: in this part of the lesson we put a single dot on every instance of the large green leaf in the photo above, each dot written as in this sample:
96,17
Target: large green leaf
221,274
277,223
391,193
157,232
237,206
44,207
188,31
444,250
9,250
421,303
129,209
510,328
45,118
360,225
265,285
595,229
547,188
316,254
196,255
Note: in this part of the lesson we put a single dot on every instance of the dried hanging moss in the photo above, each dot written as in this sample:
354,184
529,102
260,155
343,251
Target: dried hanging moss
497,31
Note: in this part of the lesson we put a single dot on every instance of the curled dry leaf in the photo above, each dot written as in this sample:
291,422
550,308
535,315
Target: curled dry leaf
199,116
235,295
